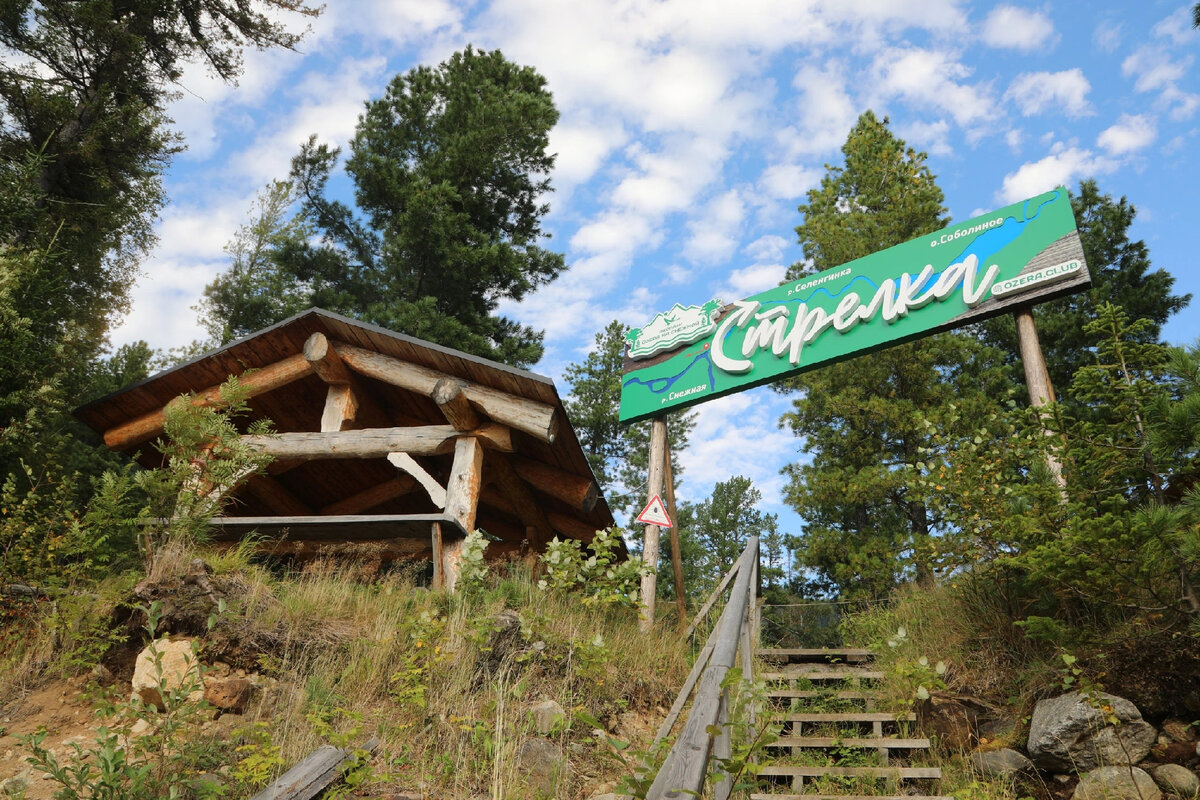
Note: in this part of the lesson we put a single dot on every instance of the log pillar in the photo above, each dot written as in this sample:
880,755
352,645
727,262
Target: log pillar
658,448
1037,378
676,555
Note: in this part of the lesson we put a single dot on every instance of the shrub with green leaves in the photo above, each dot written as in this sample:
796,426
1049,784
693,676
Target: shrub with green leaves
603,576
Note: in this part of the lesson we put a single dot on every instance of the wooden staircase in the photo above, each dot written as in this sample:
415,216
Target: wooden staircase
833,742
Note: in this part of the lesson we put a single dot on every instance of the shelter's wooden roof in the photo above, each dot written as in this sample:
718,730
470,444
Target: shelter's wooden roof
328,487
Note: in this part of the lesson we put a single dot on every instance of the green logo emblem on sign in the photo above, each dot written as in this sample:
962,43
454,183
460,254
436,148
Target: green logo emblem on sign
673,328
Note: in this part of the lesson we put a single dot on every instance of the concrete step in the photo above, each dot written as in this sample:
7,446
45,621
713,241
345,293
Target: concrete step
871,742
893,773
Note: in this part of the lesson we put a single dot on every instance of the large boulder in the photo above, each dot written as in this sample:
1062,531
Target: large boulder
1072,733
230,694
1116,783
1177,780
547,716
166,665
1002,763
543,766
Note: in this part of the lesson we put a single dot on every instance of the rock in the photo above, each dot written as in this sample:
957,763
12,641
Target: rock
1116,783
950,720
230,694
14,787
610,796
1068,733
102,675
1000,763
547,715
1177,780
1179,731
543,765
179,665
1183,753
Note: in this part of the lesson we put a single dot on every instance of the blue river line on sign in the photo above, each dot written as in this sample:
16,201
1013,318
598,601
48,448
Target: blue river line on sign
661,385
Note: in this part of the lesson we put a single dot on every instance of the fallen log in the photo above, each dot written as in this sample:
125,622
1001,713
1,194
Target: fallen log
311,776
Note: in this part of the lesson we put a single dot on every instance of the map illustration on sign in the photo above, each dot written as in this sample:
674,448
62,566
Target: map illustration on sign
1025,253
655,514
670,329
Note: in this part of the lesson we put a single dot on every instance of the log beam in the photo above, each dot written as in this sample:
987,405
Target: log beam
406,463
537,419
569,526
574,490
341,406
325,360
523,504
466,480
276,498
372,496
425,440
253,382
455,406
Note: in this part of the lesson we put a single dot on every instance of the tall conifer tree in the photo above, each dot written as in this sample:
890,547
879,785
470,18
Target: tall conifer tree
866,527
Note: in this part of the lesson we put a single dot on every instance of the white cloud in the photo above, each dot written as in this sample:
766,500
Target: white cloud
1178,27
1013,139
670,179
1130,134
928,136
1062,167
788,181
751,280
766,249
714,236
825,109
928,79
1107,36
1016,28
1035,92
1153,68
581,146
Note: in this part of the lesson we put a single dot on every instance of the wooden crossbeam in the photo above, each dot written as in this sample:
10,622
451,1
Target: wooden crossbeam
576,491
456,408
422,440
537,419
568,526
521,500
253,383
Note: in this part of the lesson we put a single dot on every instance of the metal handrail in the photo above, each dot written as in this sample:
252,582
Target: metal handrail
683,772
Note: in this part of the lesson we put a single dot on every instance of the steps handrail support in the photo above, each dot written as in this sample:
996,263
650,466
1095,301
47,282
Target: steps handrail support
683,772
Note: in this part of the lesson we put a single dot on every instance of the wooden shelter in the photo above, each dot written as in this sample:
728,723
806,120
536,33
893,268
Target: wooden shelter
387,445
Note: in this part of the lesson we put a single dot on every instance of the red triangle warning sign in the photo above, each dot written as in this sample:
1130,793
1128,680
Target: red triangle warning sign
655,513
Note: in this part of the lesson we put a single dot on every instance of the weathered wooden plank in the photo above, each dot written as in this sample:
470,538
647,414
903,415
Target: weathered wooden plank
823,675
766,796
253,383
682,774
865,742
850,716
425,440
845,654
895,773
312,775
406,463
536,419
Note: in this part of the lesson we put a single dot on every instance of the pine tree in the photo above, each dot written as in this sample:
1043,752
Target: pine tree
449,169
866,527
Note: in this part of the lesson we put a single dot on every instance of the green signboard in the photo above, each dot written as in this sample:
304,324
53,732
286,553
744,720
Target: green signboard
1022,254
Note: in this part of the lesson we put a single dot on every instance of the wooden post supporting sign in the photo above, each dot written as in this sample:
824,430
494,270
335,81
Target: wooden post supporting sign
1037,378
658,448
676,556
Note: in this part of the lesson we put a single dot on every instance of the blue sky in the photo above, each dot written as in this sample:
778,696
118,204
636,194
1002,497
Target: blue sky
691,129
